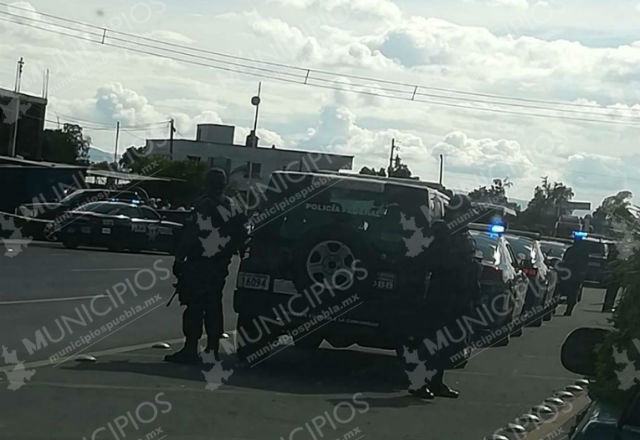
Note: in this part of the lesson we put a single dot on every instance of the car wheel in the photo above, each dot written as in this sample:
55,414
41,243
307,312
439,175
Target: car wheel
70,243
329,258
115,246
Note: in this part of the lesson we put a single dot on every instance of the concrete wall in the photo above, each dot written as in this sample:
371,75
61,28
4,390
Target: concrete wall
234,159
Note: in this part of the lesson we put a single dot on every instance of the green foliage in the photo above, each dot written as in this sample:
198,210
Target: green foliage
623,342
401,171
613,210
372,171
496,193
68,145
545,207
189,175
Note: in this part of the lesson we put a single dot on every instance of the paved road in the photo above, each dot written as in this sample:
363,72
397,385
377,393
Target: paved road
347,394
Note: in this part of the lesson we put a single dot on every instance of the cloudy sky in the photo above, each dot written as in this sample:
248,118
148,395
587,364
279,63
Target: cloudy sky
583,52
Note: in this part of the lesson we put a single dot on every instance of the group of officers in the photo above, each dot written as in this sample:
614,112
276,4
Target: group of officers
451,260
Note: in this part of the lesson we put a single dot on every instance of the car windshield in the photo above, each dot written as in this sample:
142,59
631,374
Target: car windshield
522,245
552,249
488,245
318,219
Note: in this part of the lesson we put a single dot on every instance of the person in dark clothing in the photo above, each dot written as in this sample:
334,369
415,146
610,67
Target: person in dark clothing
576,261
453,284
611,280
213,232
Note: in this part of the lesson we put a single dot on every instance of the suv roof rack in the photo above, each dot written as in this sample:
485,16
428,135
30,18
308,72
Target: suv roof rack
413,183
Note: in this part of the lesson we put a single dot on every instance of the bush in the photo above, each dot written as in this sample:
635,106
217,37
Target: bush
618,357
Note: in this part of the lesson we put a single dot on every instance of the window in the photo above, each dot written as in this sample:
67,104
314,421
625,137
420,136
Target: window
149,214
129,211
256,169
195,159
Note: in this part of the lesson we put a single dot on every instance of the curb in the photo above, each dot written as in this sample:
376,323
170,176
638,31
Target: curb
553,419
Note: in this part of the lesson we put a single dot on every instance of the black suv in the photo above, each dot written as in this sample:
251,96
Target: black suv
332,257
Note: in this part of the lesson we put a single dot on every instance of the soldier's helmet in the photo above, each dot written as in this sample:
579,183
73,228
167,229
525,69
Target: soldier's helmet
215,181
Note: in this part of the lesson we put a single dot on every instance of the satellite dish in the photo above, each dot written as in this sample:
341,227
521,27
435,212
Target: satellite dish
255,100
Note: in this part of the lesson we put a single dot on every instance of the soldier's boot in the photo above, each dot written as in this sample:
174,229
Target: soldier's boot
213,345
440,389
188,354
423,393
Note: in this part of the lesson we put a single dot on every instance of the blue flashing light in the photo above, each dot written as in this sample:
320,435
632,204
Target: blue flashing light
579,235
497,229
135,202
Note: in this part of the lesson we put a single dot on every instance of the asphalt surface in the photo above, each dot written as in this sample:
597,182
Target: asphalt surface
131,393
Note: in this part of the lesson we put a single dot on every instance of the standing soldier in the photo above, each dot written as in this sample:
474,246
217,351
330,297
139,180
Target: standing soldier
454,283
611,279
576,261
213,232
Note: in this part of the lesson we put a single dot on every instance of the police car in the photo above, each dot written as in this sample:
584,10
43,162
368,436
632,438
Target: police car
503,284
117,226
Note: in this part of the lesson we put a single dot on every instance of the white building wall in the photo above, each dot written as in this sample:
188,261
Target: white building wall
235,158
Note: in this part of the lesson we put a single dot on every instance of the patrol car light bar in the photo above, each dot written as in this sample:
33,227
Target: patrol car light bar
497,229
579,235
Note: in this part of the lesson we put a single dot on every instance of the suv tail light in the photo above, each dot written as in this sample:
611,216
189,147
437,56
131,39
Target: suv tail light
531,272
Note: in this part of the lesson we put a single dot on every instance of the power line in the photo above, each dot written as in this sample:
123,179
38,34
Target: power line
302,70
256,71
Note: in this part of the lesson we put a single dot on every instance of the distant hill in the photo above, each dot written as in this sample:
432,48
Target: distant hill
98,155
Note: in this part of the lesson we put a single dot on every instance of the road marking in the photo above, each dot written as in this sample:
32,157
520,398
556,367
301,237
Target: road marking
45,300
108,269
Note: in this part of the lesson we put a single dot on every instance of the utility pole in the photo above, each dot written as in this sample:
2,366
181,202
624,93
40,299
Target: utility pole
14,137
115,154
171,131
19,75
441,168
393,147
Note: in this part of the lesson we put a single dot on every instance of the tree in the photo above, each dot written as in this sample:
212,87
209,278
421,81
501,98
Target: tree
67,145
372,171
545,207
613,210
496,193
189,175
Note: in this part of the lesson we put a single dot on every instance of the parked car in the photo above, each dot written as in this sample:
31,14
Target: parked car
118,226
530,260
52,210
360,237
553,250
598,252
601,420
503,286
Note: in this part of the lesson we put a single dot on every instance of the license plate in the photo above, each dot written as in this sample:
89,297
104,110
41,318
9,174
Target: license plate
85,229
106,230
253,281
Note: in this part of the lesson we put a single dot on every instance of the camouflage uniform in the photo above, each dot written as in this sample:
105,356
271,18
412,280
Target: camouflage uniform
212,233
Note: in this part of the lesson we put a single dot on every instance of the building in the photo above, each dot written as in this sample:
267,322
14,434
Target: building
28,112
245,164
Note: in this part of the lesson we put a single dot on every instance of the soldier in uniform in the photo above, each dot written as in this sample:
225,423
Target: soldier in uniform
454,283
213,232
576,260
